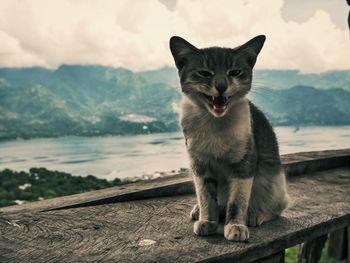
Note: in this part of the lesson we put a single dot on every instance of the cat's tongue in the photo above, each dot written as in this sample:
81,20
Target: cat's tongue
219,103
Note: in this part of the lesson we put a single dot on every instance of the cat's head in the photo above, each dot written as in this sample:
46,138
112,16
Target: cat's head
215,78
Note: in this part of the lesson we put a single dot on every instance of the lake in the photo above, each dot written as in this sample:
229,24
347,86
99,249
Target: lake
130,156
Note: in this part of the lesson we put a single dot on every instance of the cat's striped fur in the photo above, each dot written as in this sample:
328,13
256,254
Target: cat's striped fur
232,147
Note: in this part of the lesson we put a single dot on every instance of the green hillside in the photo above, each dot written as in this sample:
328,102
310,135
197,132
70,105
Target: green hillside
304,105
81,100
97,100
40,183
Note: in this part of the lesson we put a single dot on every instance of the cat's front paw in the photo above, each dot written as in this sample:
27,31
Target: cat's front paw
205,227
236,232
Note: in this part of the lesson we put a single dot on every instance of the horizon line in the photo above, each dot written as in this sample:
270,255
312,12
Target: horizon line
160,68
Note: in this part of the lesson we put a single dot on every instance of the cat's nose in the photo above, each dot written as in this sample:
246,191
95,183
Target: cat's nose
221,86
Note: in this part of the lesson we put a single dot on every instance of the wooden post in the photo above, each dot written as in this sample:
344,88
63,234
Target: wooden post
310,251
337,247
275,258
348,248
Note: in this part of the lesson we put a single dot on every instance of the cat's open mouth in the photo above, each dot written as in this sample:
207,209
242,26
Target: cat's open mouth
219,103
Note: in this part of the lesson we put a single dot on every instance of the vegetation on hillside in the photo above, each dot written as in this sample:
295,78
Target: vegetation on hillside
94,100
40,183
304,105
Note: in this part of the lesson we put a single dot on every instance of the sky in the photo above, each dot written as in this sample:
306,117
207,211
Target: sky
310,36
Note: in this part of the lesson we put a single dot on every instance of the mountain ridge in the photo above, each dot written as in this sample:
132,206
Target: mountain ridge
92,100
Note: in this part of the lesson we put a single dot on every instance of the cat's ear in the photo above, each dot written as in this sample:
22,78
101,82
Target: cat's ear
252,48
181,50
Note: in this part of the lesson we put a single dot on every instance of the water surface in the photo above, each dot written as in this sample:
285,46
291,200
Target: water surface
129,156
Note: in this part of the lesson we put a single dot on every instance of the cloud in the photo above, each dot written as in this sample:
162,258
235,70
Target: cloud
135,34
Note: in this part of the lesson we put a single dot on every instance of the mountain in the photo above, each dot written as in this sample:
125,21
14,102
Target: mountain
98,100
275,79
82,100
166,75
282,79
304,105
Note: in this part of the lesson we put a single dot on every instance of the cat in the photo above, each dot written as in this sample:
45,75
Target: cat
233,149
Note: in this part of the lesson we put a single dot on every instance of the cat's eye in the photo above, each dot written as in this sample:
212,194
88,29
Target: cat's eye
234,72
204,73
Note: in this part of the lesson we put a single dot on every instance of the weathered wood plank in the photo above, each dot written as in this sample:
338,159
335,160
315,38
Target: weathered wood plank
337,244
308,162
310,251
159,229
294,164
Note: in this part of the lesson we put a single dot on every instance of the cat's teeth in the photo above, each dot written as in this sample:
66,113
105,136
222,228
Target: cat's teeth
212,98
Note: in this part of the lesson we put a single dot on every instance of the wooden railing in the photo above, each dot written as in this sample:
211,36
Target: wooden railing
148,221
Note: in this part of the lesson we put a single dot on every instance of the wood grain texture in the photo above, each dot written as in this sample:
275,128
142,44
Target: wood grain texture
294,164
159,229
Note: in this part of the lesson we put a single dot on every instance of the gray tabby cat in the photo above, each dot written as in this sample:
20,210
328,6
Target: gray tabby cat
232,147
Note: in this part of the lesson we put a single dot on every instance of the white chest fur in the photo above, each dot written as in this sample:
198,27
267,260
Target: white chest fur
210,138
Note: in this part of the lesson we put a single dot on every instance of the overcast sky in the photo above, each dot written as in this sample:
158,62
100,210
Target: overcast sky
311,35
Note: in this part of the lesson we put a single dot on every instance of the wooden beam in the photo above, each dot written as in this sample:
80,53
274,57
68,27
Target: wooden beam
348,248
310,251
337,244
275,258
309,162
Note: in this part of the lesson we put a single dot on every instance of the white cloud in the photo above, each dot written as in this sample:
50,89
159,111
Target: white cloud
135,34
